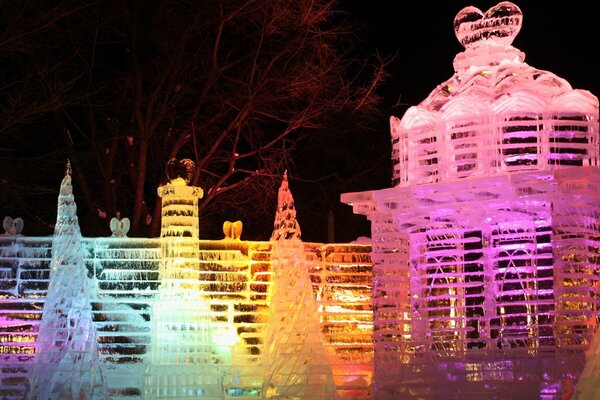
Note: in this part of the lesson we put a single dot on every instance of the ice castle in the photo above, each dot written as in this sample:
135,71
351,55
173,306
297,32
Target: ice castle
481,279
486,250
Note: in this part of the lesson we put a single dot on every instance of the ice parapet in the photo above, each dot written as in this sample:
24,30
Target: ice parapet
496,114
67,364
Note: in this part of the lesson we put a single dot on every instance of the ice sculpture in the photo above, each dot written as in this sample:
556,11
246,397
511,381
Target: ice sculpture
183,362
232,230
67,364
12,226
485,250
296,365
119,227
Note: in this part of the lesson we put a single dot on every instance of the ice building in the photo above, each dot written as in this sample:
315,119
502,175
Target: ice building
486,247
176,317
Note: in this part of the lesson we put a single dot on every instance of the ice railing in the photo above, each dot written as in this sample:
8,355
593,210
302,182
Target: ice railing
472,139
235,276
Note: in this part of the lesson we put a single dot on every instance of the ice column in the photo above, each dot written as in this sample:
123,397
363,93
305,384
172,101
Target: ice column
296,365
67,360
183,364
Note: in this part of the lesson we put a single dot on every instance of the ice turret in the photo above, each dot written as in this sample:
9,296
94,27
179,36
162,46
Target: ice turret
182,362
286,225
496,114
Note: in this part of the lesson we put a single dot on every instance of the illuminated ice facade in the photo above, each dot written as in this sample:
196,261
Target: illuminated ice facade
486,250
180,318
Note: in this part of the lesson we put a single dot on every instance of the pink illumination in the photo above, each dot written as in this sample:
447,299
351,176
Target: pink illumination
485,249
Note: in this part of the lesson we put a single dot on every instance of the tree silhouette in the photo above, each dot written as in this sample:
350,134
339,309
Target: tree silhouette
121,87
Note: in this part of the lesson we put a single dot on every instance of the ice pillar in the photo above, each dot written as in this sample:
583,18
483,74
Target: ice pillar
182,360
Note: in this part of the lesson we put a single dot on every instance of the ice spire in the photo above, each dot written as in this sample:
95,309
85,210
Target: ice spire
296,365
67,360
286,225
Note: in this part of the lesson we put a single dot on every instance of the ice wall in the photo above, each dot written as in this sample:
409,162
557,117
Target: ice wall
146,348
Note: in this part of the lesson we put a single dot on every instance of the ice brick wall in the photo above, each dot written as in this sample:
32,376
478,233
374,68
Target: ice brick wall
235,275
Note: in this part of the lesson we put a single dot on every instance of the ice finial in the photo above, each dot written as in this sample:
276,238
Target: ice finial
180,169
500,23
66,188
286,225
11,226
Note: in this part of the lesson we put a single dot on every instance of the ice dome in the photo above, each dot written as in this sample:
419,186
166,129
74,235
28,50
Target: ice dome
496,114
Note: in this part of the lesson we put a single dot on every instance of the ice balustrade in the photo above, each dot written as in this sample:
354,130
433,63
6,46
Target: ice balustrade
485,248
235,279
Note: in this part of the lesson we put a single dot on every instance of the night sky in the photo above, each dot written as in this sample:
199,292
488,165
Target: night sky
561,38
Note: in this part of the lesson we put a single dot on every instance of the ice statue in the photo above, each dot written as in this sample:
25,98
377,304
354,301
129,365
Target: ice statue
119,227
67,364
296,364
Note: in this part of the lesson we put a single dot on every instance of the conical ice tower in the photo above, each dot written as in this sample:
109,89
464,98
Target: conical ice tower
296,364
67,360
286,226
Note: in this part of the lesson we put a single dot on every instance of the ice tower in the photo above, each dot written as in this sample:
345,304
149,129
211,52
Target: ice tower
296,364
67,363
486,250
182,364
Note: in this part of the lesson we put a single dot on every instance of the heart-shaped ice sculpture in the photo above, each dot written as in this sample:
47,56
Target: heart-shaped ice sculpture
500,23
119,227
180,169
232,230
12,226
